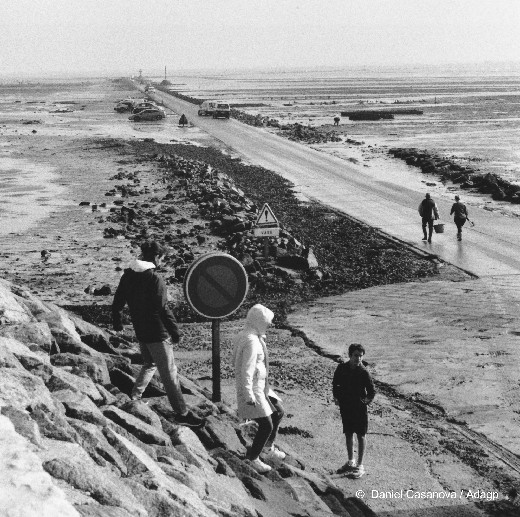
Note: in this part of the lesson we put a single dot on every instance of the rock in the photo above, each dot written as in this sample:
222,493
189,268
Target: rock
79,406
11,311
23,424
94,366
92,439
142,411
97,510
21,389
68,343
34,332
223,434
254,488
142,431
52,423
122,380
106,290
304,494
38,495
103,487
63,380
107,398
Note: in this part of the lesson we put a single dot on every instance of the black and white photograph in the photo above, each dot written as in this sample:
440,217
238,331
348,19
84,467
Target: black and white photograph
260,258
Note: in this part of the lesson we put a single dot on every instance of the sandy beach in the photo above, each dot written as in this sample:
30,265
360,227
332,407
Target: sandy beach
74,157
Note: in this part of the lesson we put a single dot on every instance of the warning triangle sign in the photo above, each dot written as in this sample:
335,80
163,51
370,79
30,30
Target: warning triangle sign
266,217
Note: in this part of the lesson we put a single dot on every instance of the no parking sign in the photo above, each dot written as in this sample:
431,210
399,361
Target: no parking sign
215,286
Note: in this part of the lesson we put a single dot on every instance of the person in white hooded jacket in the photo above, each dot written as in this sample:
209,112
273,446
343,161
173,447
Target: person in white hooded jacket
255,399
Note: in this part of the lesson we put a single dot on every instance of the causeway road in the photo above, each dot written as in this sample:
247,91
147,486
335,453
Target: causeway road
490,248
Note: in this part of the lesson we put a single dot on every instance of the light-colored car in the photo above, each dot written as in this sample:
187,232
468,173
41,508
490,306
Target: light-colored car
148,114
221,110
207,108
144,105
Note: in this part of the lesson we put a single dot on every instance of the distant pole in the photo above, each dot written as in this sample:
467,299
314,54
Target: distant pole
165,73
215,355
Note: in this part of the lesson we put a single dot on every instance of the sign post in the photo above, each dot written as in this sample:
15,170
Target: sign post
215,286
266,226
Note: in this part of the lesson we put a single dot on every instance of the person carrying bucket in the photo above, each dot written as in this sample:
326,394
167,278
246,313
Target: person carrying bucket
428,212
461,215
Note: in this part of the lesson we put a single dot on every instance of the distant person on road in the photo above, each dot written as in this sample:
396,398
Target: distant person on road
353,390
183,121
155,327
255,399
428,212
336,120
461,215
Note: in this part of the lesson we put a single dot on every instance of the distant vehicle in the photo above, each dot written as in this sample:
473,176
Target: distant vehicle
221,110
215,109
149,89
148,114
124,105
207,108
144,105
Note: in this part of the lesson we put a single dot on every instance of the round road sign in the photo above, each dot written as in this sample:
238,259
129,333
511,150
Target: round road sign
215,285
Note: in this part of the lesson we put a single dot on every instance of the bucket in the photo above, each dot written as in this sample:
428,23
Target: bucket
439,227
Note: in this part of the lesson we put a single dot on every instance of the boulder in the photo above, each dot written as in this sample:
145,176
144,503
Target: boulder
79,406
37,495
224,435
141,430
23,424
34,332
63,380
93,366
142,411
21,389
99,483
93,440
12,312
52,423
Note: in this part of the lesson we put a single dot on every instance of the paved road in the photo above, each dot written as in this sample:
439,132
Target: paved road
492,247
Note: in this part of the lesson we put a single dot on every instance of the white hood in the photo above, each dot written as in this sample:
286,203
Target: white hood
140,265
259,318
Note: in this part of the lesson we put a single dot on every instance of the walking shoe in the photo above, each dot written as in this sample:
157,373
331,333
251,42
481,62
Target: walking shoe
425,238
358,472
350,466
189,420
430,240
260,466
274,454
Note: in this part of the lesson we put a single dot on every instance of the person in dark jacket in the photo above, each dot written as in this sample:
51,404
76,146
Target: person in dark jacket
155,327
461,215
353,390
428,212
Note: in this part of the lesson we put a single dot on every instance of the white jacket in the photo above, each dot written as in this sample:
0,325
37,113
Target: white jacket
252,365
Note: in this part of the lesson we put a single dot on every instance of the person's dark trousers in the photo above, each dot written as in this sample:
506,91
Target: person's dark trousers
267,429
459,223
429,223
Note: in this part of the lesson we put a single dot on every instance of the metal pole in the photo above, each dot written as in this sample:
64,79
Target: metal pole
215,348
266,248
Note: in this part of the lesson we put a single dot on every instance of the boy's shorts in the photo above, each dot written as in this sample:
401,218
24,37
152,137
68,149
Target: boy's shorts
355,419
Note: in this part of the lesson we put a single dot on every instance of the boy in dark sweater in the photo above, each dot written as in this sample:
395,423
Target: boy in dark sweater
353,390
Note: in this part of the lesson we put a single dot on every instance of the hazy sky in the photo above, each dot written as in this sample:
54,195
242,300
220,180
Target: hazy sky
113,36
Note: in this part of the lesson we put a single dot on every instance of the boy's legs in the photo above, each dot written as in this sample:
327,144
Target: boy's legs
349,439
145,375
362,442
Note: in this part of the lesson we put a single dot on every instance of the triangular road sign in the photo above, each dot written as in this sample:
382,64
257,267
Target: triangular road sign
266,217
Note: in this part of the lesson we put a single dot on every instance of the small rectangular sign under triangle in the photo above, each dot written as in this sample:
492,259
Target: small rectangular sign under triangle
266,217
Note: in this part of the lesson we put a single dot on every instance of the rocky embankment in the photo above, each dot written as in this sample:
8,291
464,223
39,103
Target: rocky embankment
73,443
467,177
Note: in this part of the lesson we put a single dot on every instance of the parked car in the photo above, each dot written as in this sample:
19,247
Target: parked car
144,105
124,105
221,110
207,108
149,89
148,114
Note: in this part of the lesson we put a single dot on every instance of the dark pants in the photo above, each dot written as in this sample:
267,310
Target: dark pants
459,222
267,429
429,223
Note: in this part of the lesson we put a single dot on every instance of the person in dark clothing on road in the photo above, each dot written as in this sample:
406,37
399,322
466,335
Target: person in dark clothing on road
428,212
155,327
353,390
461,215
